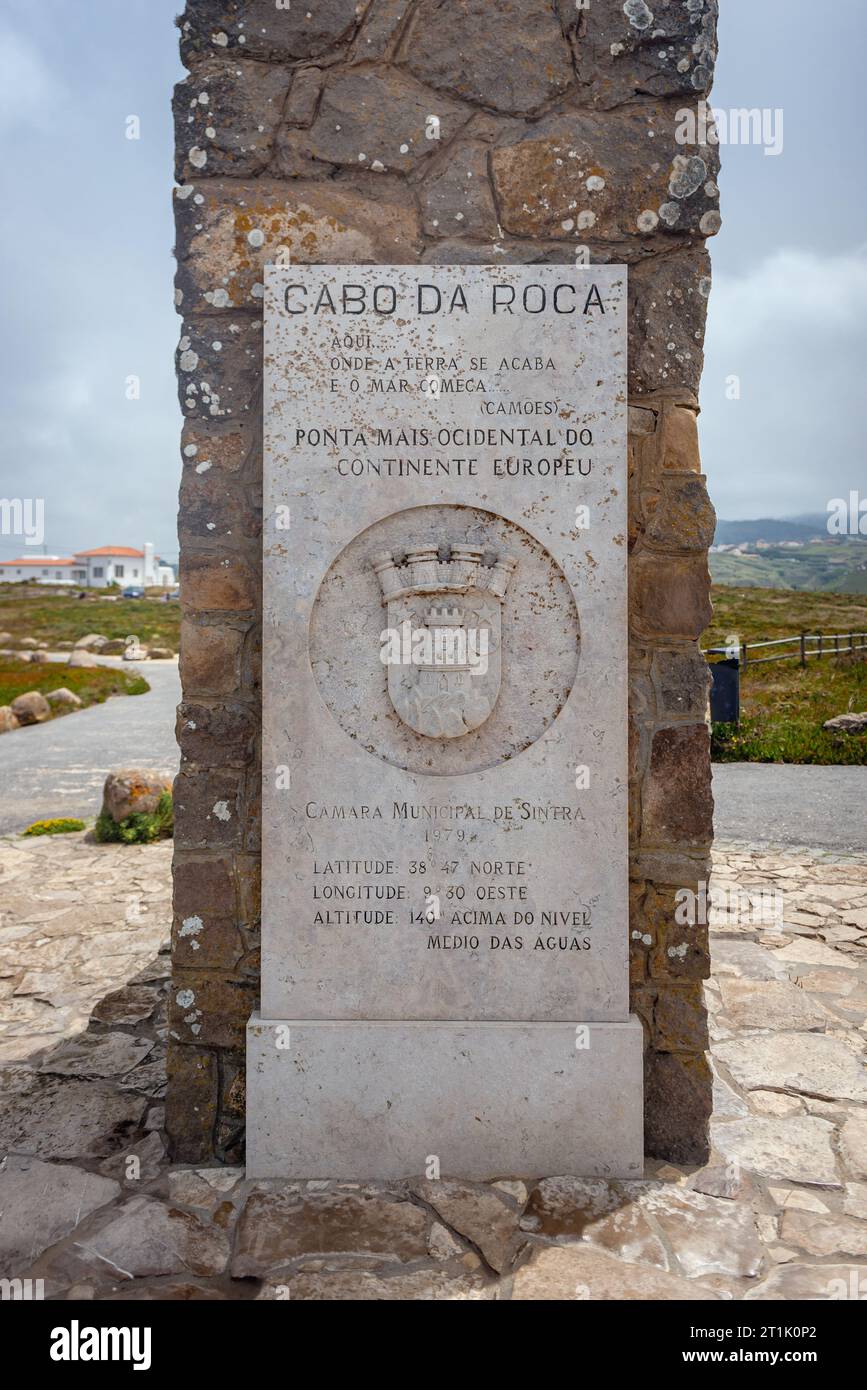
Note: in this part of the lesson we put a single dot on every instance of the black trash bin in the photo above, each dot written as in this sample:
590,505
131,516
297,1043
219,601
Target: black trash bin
725,693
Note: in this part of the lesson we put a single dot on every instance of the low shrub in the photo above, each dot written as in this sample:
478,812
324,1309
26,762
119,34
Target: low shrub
140,829
60,825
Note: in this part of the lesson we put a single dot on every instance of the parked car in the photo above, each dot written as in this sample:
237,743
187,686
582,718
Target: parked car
133,592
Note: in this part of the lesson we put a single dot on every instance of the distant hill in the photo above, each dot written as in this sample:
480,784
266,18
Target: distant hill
836,564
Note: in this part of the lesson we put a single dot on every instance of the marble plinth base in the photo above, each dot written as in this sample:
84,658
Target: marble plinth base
365,1100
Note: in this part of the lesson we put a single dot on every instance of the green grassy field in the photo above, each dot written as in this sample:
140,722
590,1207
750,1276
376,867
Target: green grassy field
49,617
92,685
784,705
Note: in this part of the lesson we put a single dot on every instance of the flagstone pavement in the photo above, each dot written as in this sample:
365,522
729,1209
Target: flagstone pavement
90,1205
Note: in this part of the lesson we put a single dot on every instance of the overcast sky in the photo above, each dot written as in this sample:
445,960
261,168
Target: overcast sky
87,233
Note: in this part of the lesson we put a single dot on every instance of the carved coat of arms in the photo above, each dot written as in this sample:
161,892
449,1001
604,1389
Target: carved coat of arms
442,646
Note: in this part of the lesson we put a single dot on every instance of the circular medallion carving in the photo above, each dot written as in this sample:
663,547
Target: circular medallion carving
444,639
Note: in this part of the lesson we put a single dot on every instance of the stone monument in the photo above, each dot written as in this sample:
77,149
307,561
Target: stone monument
445,878
439,133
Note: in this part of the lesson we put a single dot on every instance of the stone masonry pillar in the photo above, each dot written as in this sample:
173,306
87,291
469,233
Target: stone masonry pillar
437,131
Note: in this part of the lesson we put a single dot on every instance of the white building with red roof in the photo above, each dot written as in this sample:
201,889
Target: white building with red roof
92,569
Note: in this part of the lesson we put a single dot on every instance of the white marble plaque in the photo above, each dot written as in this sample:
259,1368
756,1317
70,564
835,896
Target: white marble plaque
445,659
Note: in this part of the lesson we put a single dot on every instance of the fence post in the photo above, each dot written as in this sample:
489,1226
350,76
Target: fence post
803,648
820,646
743,655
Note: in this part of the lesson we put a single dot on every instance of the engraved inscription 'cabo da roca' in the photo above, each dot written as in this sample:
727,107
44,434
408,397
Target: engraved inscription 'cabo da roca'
443,643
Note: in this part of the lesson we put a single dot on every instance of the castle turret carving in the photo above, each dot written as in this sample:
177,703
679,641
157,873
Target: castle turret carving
421,571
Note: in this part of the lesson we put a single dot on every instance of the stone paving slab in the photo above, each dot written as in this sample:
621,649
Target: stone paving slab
779,1213
76,921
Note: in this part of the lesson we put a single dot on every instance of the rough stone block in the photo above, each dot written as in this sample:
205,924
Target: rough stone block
456,196
225,117
212,583
512,55
214,508
580,175
210,658
219,364
204,886
638,49
680,451
680,1020
383,21
217,736
641,421
668,306
208,809
224,447
300,108
204,933
209,1008
248,870
225,240
376,120
677,1106
682,518
681,680
500,251
669,597
677,800
258,29
677,950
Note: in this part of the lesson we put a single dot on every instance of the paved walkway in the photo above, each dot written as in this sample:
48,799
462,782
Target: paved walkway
58,768
77,920
787,804
90,1205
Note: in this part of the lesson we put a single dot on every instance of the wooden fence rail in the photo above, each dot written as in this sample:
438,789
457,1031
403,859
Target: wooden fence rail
826,644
